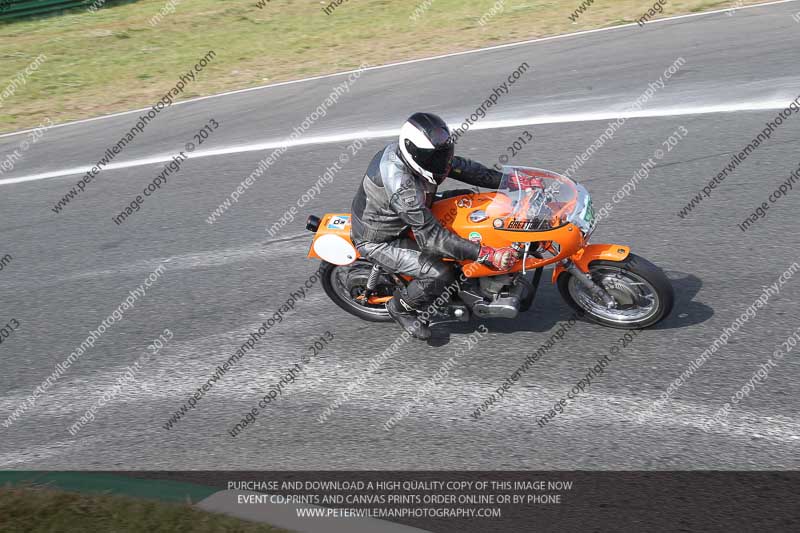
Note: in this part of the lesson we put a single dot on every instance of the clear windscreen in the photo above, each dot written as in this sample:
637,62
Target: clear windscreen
533,199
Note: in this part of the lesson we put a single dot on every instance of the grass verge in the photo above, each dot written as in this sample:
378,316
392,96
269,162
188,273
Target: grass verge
45,510
116,59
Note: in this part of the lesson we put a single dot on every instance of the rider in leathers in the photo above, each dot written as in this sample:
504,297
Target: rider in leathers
396,195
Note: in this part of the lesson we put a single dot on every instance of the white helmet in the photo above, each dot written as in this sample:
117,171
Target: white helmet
427,147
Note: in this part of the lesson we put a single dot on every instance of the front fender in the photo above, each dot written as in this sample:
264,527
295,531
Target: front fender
594,252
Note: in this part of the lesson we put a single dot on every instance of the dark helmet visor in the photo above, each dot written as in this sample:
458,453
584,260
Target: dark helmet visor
437,161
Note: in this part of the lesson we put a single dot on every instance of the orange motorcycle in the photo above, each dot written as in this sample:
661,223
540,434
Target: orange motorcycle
549,223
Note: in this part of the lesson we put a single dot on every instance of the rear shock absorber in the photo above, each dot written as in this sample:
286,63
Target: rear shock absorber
372,280
372,284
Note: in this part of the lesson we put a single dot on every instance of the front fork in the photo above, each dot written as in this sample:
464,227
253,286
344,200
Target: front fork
578,266
596,290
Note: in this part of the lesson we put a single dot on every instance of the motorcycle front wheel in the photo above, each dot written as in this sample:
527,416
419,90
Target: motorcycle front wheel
642,292
345,285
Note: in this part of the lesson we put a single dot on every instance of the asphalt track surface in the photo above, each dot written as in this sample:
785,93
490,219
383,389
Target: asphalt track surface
71,270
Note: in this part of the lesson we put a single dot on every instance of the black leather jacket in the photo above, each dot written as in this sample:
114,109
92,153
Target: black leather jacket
392,199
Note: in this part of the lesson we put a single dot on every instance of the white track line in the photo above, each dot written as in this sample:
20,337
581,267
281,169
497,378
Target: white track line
412,61
379,134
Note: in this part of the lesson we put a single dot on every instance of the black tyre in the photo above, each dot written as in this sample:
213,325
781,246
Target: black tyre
344,284
643,293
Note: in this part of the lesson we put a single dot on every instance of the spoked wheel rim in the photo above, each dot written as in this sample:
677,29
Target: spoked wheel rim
349,283
637,299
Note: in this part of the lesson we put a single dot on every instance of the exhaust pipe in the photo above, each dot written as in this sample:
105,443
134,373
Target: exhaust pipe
312,223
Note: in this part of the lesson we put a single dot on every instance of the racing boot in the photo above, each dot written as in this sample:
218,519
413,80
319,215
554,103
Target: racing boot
406,316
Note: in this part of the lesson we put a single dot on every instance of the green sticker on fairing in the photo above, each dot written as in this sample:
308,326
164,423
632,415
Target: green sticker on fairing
589,214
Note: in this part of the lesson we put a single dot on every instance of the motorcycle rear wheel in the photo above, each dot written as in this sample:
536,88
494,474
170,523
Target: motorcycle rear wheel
643,293
343,284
